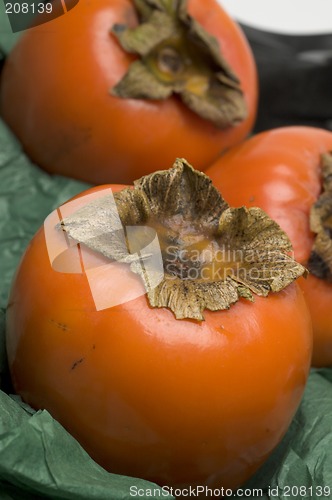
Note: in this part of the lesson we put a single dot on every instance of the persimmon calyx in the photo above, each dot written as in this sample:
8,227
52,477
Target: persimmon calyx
212,254
320,260
177,56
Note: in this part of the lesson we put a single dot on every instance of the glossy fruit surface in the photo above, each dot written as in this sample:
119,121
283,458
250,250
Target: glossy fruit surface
178,402
56,97
280,171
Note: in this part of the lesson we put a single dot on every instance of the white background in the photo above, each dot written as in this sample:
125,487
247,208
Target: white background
283,16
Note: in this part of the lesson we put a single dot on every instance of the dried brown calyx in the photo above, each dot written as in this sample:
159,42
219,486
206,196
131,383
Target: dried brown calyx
320,261
211,254
177,56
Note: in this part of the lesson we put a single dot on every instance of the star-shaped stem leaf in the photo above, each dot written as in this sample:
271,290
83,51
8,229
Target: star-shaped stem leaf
178,56
320,261
212,254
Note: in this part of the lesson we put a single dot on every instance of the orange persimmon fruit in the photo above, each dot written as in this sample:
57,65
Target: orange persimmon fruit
195,96
281,171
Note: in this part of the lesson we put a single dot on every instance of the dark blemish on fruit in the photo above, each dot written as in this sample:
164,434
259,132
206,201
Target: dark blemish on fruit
61,326
78,362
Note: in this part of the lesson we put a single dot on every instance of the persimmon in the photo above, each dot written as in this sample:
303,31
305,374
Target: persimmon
184,374
101,92
282,172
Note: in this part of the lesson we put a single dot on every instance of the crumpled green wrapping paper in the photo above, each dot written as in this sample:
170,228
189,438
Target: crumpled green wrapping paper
38,458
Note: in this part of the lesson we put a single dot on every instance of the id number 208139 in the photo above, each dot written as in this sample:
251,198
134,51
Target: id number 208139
28,8
301,491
